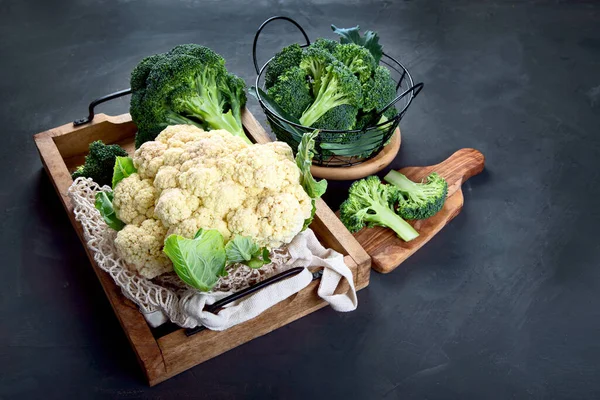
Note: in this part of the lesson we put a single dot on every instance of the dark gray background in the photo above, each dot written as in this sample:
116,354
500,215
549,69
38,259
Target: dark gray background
503,303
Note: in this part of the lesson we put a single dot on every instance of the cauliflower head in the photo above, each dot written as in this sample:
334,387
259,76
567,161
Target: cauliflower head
188,179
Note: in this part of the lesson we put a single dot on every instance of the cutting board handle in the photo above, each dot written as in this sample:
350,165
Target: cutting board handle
461,165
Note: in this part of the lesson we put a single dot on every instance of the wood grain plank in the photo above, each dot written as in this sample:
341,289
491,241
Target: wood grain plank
387,251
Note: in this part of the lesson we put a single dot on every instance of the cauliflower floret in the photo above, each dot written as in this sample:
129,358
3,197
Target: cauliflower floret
174,205
282,149
149,158
244,221
166,178
281,217
172,157
199,180
134,199
223,197
141,248
202,218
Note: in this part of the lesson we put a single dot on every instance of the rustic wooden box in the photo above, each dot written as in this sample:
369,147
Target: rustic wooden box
161,357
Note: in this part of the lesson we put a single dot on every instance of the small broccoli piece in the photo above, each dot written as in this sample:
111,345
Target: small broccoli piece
292,92
339,118
325,44
371,203
188,85
338,86
315,61
358,59
379,91
287,58
99,163
419,200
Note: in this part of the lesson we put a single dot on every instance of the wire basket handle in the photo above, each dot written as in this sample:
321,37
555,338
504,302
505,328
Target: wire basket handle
415,90
262,26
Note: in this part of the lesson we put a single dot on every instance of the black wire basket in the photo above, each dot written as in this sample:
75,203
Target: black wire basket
340,148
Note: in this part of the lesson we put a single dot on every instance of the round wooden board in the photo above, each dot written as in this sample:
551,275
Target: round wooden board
369,167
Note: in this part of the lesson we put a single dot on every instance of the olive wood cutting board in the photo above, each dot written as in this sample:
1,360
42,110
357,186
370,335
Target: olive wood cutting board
387,250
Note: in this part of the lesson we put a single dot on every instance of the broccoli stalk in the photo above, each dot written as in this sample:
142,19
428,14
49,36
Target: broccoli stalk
338,86
418,200
371,203
205,101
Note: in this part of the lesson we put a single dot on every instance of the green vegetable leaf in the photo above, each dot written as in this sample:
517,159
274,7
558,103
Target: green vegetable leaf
304,161
104,205
304,158
123,168
370,41
312,215
200,261
242,249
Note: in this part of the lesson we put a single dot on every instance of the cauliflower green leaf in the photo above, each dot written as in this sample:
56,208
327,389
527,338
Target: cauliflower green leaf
304,158
200,261
304,161
123,168
105,206
242,249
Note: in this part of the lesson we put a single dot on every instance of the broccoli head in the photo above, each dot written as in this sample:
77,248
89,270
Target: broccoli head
100,162
371,203
287,58
326,44
339,118
419,200
358,59
292,92
338,86
188,85
379,91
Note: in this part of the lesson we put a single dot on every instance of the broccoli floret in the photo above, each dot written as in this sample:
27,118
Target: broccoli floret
325,44
287,58
292,92
378,91
338,118
358,59
338,86
371,203
202,53
419,200
315,61
100,162
188,85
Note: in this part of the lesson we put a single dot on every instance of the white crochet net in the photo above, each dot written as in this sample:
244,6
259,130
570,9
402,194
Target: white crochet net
163,292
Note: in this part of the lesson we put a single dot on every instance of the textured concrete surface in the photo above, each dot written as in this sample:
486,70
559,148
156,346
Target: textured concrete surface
502,304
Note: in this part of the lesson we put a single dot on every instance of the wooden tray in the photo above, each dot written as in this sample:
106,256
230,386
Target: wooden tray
369,167
62,149
387,251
